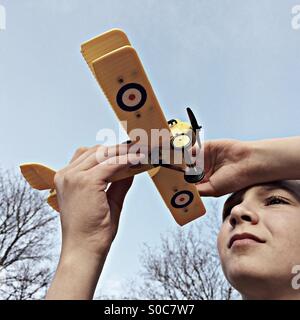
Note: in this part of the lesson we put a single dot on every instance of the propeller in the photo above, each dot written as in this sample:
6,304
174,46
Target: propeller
195,126
196,174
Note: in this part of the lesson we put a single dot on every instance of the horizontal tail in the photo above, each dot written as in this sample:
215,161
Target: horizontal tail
38,176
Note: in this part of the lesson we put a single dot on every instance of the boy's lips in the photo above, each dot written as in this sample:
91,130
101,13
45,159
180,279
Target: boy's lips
242,236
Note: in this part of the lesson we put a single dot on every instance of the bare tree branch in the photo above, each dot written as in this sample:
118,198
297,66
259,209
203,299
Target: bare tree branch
26,230
185,265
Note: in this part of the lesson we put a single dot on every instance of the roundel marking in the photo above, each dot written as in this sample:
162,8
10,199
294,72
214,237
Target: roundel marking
131,97
182,199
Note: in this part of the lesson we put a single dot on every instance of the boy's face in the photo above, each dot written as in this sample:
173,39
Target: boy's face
259,241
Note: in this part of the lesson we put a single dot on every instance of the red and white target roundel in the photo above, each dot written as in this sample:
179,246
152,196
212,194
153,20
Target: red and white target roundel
131,97
182,199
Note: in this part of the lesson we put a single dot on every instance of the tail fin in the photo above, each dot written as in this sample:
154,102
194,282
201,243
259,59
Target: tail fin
38,176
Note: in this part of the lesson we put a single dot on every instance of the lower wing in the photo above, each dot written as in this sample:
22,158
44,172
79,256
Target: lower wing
181,197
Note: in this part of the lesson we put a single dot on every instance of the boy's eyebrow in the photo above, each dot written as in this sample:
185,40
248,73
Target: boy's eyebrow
283,186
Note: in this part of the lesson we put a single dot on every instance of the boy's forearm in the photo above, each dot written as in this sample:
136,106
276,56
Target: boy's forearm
76,276
276,159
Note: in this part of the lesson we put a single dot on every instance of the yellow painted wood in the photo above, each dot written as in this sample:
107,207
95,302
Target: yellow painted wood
38,176
103,44
124,65
168,183
52,200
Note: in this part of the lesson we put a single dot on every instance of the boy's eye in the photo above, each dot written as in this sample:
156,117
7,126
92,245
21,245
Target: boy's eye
275,200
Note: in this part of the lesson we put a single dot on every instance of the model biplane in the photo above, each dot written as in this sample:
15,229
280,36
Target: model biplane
119,72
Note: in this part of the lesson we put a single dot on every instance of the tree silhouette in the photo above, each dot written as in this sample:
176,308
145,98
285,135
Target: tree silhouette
26,230
185,265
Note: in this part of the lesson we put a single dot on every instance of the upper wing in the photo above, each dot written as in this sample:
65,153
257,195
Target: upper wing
103,44
38,176
121,76
125,84
181,198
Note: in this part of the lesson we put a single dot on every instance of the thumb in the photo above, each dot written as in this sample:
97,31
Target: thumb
206,189
116,194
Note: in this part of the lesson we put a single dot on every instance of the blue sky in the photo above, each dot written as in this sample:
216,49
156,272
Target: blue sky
236,63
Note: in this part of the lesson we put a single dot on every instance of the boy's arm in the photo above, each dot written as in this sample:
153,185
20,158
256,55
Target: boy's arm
231,165
89,213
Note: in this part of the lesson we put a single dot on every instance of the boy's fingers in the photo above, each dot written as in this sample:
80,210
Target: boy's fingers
104,153
83,156
106,170
78,153
205,189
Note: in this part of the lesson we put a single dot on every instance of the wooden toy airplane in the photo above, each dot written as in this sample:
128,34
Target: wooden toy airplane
119,72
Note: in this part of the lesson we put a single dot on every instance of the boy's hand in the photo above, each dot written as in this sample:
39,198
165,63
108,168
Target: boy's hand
228,167
231,165
89,213
89,217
